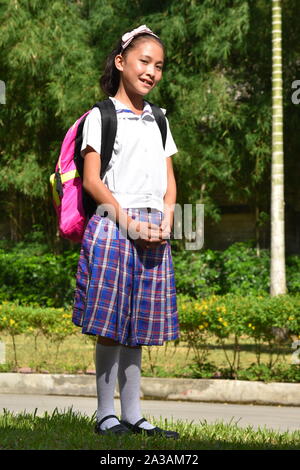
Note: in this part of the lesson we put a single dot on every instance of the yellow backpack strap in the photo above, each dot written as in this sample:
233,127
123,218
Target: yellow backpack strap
54,190
63,178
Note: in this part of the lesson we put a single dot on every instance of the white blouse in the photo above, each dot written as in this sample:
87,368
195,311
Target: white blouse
137,172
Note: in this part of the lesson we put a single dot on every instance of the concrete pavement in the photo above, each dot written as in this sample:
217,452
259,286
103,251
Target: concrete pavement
199,390
278,418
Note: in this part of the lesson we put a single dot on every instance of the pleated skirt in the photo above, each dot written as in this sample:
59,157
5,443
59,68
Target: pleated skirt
125,292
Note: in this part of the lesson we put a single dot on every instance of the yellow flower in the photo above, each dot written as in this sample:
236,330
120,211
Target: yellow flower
220,319
291,318
225,323
12,322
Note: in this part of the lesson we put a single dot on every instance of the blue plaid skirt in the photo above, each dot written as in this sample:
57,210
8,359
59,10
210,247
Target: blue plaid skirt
125,292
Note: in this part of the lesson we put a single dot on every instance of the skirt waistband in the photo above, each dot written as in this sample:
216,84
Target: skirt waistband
101,211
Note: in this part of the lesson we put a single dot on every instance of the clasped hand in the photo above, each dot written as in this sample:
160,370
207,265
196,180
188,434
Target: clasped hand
151,235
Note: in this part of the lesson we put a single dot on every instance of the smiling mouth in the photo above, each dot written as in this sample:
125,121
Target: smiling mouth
146,82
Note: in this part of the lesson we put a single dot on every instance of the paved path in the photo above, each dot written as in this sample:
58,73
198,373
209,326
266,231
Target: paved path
279,418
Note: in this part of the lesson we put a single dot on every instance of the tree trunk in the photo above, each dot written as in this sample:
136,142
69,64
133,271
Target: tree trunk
278,279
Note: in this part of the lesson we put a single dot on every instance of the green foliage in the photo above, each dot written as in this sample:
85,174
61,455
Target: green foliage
278,373
49,73
54,324
51,79
237,270
12,319
30,274
222,118
293,270
243,272
216,89
197,273
202,322
250,316
45,279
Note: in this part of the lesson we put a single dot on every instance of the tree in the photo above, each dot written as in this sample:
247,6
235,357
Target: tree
48,68
278,278
215,87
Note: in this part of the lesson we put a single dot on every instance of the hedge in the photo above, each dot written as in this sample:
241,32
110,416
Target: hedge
257,318
29,274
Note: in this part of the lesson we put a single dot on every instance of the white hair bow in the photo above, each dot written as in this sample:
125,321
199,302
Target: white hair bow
128,37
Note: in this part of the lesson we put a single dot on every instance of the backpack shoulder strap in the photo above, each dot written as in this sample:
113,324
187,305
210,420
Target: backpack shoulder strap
108,131
161,121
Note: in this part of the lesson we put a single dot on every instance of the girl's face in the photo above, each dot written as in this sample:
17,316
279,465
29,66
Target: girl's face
141,67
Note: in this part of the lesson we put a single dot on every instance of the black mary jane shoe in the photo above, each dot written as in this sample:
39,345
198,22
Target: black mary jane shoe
150,432
117,429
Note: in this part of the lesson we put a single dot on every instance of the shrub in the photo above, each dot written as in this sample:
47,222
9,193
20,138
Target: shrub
46,279
197,273
54,324
241,316
201,323
30,274
293,273
243,272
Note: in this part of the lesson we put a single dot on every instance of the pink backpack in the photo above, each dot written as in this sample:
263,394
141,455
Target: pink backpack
72,204
67,189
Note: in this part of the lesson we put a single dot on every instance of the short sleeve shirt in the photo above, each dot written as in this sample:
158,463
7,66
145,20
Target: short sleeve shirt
137,172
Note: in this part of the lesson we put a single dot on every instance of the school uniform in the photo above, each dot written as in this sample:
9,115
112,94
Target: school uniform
123,291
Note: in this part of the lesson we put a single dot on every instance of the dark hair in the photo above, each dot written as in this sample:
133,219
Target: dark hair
110,80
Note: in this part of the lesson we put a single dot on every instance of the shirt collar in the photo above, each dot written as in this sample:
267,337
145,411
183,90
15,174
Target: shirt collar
126,112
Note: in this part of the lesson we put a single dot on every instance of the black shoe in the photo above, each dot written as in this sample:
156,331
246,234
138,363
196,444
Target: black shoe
117,429
150,432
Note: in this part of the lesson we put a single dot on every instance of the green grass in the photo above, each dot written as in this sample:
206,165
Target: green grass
68,430
76,354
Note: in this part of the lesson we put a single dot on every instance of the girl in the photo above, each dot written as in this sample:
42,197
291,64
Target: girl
125,288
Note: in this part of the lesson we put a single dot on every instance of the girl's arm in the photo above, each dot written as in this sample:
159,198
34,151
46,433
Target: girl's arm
170,197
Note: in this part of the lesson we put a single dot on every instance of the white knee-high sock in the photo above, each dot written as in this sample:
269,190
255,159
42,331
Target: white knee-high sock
129,376
107,363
